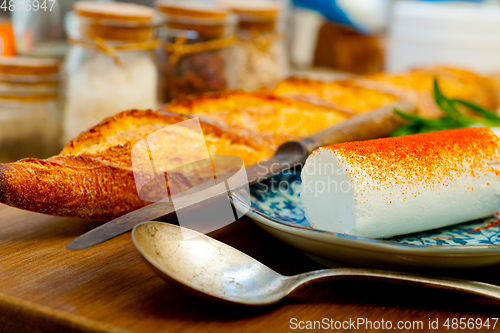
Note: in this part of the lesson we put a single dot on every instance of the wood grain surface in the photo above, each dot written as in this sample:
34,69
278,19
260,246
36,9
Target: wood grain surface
46,288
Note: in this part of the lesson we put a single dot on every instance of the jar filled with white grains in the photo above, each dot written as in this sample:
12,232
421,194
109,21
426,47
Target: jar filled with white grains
259,55
110,66
29,108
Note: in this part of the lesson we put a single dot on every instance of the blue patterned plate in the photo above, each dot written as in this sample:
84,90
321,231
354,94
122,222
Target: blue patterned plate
276,207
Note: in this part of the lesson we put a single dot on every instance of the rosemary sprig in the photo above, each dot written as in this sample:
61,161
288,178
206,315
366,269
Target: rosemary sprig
452,118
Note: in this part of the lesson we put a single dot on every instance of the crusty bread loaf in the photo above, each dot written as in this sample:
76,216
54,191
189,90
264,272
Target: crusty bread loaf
93,178
372,91
495,83
417,86
343,94
276,118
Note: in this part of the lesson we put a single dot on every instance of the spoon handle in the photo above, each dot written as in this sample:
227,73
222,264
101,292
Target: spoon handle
471,287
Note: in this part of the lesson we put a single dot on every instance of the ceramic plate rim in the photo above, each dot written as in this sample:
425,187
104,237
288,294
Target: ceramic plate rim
366,243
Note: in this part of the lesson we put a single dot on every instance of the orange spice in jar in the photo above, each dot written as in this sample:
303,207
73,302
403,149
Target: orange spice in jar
111,64
196,41
29,108
260,54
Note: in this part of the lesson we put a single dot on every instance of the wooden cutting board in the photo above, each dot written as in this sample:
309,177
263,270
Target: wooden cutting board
46,288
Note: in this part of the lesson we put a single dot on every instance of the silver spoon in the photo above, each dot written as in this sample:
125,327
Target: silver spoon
215,270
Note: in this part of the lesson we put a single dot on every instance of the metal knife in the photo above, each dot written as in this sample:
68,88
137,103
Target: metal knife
370,125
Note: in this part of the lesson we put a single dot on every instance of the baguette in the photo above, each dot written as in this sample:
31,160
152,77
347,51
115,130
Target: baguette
365,93
417,86
276,118
343,94
495,83
93,177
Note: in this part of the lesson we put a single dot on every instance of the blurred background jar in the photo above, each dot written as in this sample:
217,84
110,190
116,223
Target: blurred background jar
344,35
260,54
456,33
7,40
110,66
29,108
195,52
38,27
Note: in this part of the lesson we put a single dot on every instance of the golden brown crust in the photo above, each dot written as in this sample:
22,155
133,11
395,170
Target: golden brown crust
260,114
495,84
417,86
74,186
93,177
345,94
375,90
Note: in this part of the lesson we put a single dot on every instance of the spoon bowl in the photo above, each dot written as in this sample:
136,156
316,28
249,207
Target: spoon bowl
214,270
205,265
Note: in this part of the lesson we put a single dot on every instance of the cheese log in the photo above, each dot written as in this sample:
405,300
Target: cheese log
393,186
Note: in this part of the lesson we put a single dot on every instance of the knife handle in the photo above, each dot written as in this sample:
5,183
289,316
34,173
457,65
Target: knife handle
374,124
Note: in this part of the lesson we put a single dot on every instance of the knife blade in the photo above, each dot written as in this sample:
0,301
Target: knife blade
370,125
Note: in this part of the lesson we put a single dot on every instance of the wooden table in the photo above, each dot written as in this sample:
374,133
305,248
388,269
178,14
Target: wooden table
46,288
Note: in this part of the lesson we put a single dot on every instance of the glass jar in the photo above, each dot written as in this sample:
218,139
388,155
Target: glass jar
38,27
260,55
110,66
29,108
194,57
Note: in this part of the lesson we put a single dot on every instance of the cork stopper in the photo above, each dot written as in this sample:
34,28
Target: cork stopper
28,66
115,21
260,15
208,20
191,9
114,11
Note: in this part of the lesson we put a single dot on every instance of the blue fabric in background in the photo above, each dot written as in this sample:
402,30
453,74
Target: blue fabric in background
328,8
331,11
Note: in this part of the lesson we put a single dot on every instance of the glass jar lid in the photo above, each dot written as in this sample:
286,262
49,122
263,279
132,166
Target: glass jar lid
114,11
28,70
115,21
192,9
28,66
28,79
259,15
208,20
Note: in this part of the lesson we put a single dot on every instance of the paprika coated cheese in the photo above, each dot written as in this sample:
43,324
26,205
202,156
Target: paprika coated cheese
392,186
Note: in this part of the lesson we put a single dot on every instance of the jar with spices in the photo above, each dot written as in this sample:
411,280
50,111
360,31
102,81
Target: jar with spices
194,56
29,108
110,66
260,57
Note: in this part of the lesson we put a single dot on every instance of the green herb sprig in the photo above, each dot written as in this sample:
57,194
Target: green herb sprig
452,118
